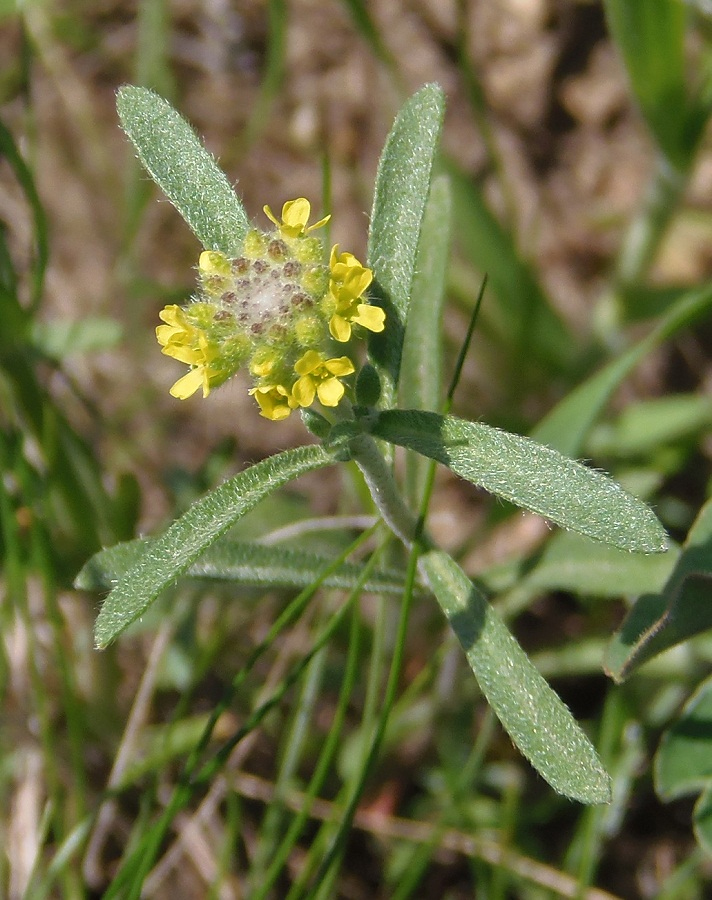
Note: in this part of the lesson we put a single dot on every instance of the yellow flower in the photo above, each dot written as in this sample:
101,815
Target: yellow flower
274,401
178,330
276,309
320,377
295,215
349,280
188,344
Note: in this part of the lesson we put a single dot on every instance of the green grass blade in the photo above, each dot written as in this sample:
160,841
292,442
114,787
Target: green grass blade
175,551
651,40
273,73
252,565
367,28
402,187
566,426
522,316
153,47
9,152
532,714
683,763
530,475
184,170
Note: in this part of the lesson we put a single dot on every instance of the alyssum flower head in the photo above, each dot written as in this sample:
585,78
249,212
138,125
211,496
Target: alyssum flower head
277,310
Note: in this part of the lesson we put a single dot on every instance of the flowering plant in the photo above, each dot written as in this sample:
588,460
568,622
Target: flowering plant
270,303
278,309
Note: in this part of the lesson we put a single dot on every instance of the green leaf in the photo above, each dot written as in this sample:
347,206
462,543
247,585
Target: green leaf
702,817
572,563
421,373
648,424
237,562
566,426
651,40
683,609
401,192
172,554
184,170
529,475
534,717
683,763
60,338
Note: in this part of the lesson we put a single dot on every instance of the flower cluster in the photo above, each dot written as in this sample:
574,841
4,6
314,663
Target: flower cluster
276,309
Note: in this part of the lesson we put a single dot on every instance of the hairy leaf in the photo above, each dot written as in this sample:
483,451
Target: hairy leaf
533,715
184,170
172,554
530,475
238,562
402,187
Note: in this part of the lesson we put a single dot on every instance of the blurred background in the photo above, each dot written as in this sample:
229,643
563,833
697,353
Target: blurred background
552,165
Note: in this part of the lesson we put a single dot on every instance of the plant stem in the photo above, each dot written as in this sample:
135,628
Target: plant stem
384,490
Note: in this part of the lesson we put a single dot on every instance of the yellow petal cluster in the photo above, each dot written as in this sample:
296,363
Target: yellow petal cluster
349,281
320,376
189,344
276,309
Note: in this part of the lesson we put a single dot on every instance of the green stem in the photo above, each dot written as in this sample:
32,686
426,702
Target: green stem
383,488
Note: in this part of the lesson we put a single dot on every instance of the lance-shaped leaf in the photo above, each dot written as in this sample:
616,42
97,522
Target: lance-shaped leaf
533,715
401,192
180,165
530,475
169,556
238,562
683,609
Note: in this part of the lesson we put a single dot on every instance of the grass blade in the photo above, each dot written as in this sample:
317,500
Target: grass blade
566,426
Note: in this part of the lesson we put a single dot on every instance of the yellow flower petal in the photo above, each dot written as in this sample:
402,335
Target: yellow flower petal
173,315
295,218
308,363
295,213
356,281
165,333
187,385
340,263
340,366
340,328
371,317
330,392
270,215
304,391
188,355
273,401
